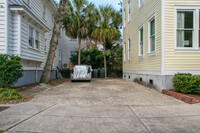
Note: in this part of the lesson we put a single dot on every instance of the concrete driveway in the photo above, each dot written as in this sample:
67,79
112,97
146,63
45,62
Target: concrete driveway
102,106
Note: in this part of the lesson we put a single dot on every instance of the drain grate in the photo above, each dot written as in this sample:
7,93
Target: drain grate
3,108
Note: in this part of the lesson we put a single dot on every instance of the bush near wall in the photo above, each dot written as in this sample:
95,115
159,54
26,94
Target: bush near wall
10,70
186,83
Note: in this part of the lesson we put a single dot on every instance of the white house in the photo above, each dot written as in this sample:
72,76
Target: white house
66,47
25,30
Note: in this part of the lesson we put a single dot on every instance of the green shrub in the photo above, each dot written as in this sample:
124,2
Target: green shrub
186,83
10,70
9,94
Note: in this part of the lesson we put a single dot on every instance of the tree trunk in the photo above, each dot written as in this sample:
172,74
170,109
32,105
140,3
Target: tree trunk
96,43
79,50
46,75
105,65
90,44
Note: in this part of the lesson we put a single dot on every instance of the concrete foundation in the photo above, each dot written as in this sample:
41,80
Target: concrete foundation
33,76
158,82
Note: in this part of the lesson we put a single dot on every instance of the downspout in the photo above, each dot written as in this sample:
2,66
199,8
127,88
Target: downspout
163,44
163,37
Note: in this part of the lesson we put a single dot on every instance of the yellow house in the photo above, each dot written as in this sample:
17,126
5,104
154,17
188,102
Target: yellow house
160,39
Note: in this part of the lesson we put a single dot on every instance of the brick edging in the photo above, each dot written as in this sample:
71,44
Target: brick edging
182,97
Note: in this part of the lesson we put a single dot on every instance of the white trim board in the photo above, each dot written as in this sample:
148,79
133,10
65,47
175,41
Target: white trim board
162,37
145,72
158,72
173,72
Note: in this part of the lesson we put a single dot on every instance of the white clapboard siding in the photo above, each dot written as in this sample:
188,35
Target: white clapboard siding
3,9
26,52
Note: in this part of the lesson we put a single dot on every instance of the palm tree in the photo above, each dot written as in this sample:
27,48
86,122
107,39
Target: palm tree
108,29
75,22
93,18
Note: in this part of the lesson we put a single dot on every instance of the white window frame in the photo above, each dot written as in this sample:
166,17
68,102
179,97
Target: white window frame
124,51
129,10
33,39
139,42
129,49
59,54
44,12
153,17
124,17
140,5
196,28
45,45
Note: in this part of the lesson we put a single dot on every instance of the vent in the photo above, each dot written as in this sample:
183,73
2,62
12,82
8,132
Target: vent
140,79
124,76
129,77
151,82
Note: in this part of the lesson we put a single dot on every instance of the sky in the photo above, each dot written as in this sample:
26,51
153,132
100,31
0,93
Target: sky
114,3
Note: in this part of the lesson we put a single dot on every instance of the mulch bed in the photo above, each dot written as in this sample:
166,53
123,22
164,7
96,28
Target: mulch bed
60,80
23,99
188,98
25,87
27,98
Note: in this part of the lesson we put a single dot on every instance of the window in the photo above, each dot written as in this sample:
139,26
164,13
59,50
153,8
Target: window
28,2
124,17
141,38
45,45
129,10
60,54
129,49
44,12
31,39
199,28
124,51
185,28
141,2
152,39
37,39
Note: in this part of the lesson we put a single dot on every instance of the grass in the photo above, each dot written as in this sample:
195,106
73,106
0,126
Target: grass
9,94
55,84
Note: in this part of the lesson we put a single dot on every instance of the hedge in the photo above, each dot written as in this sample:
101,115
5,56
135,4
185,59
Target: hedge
10,70
187,83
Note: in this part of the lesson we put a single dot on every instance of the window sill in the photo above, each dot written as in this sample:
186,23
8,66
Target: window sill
140,56
34,48
152,53
187,50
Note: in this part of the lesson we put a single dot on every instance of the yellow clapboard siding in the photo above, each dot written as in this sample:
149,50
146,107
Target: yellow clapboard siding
139,17
176,60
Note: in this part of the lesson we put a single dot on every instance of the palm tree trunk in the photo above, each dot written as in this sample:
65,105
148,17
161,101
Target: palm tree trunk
46,75
79,50
90,44
96,43
105,66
